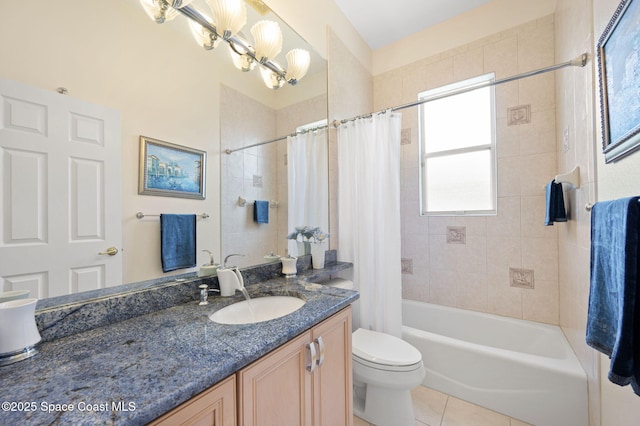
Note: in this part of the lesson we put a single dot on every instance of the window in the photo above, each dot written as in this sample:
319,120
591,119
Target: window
457,145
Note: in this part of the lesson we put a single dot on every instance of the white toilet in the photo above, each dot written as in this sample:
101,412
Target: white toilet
385,369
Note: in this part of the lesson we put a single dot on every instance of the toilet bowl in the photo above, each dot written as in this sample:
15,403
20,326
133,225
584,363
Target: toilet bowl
385,369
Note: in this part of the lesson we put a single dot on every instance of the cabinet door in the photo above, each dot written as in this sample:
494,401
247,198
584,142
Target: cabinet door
332,380
276,389
214,407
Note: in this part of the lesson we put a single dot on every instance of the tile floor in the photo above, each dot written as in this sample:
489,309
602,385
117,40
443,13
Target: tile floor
433,408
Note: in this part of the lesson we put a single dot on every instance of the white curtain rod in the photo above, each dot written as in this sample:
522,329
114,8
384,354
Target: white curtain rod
580,61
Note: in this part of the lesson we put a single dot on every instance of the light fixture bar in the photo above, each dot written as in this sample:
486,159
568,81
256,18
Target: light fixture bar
194,14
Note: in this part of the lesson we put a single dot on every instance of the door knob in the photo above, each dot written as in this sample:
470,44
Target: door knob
111,251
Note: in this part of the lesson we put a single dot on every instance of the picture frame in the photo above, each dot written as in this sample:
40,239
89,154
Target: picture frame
618,52
171,170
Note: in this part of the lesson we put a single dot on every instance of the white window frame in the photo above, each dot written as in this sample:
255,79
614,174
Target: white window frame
460,87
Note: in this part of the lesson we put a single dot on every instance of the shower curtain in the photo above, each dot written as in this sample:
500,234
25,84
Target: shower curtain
369,216
308,182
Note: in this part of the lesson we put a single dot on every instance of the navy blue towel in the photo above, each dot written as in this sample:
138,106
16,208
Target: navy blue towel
555,204
613,322
261,211
177,241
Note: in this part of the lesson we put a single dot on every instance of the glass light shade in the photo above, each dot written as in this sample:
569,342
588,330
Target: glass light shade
268,40
158,11
243,62
298,61
229,16
202,36
271,79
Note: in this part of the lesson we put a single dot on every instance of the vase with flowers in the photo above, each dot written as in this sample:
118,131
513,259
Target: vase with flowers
311,240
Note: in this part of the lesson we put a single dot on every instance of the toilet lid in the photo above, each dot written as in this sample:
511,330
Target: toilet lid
384,349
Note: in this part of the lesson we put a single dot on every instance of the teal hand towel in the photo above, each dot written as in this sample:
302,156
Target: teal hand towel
261,211
177,241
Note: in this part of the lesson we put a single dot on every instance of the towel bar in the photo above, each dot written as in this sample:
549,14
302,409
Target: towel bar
242,202
573,177
141,215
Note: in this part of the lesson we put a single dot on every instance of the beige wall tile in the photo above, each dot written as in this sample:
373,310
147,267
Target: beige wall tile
542,303
503,253
503,299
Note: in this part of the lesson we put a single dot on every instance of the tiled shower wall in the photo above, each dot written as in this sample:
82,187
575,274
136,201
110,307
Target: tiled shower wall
500,254
250,173
576,136
257,173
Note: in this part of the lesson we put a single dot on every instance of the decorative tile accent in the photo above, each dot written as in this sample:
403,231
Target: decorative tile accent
521,278
405,136
519,115
456,234
407,266
257,181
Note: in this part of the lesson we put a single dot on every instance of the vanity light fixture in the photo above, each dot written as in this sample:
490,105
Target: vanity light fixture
229,16
162,11
205,38
268,40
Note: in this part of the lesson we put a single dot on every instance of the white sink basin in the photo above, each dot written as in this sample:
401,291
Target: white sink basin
257,310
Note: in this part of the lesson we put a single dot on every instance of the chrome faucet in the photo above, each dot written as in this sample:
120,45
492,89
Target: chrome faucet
224,264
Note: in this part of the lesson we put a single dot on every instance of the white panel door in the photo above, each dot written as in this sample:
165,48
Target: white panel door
60,203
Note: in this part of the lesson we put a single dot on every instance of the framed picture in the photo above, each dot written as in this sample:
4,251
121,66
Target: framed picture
171,170
619,65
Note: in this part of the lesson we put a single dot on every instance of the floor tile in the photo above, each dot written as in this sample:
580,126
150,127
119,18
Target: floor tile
462,413
433,408
357,421
428,405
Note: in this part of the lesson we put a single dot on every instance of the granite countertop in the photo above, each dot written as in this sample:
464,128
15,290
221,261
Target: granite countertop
133,371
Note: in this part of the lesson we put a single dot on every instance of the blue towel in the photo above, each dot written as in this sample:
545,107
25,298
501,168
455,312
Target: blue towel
261,211
177,241
613,322
555,204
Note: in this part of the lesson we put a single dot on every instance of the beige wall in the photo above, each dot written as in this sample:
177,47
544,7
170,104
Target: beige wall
476,275
575,135
579,24
619,405
484,21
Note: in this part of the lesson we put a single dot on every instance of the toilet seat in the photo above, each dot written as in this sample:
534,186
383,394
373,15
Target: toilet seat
384,352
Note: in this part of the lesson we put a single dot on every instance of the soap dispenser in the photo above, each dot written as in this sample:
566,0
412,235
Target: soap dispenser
208,269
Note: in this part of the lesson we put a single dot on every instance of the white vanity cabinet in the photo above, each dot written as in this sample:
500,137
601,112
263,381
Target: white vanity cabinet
307,381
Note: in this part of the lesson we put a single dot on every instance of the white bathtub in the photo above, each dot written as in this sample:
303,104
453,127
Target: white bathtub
523,369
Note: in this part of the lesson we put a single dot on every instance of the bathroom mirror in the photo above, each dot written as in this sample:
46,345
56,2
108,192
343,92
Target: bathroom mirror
260,172
163,84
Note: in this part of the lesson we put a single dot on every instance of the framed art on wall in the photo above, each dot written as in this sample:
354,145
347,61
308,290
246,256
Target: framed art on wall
171,170
619,66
